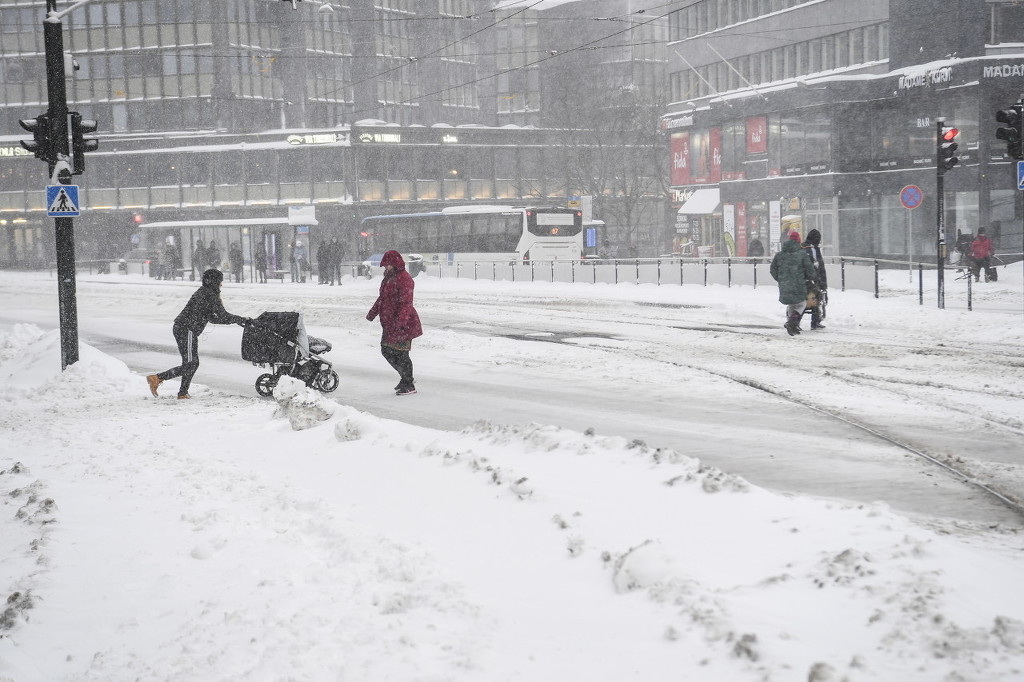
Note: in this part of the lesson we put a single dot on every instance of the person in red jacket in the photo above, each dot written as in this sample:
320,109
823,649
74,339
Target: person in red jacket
982,251
398,319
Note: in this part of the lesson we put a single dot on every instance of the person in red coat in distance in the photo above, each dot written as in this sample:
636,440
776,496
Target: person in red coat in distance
398,319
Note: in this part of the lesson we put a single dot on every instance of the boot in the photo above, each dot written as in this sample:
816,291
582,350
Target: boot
816,320
154,382
793,325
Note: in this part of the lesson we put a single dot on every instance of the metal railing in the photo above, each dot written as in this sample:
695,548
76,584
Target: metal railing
860,274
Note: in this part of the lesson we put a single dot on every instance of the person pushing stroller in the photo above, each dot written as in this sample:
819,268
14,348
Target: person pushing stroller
202,308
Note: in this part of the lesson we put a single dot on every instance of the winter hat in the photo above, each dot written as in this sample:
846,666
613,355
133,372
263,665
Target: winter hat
392,258
795,236
981,231
212,277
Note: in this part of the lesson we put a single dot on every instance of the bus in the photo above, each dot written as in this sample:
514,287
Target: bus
478,233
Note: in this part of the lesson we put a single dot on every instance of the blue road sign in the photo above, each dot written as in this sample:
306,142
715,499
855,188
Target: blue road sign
1020,175
911,196
62,201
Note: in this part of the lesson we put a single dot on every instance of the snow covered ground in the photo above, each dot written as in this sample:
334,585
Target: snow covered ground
559,502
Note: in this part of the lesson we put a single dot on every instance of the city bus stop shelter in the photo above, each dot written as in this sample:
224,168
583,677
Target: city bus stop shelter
225,231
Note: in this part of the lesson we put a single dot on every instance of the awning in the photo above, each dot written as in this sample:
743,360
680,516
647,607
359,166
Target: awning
701,202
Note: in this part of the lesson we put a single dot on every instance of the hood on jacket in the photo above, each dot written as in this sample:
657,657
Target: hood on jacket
790,245
814,237
392,258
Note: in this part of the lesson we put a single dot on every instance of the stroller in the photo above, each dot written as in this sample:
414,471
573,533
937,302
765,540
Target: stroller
280,341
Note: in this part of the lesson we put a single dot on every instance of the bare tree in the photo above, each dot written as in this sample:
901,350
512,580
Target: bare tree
615,152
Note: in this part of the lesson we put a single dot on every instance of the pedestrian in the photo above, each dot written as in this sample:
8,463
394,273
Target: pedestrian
213,255
982,251
237,261
812,246
792,269
323,262
755,249
170,266
203,307
398,319
337,255
261,262
198,260
299,262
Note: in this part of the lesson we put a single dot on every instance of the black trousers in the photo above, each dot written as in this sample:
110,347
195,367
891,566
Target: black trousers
188,346
400,360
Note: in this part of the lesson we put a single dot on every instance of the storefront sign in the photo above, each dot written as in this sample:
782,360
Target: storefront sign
7,152
317,138
923,78
385,138
681,122
1003,71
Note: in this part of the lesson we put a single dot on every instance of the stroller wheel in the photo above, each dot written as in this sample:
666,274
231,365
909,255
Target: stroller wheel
265,384
325,382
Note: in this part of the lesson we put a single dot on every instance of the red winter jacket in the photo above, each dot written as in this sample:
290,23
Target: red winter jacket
394,304
982,247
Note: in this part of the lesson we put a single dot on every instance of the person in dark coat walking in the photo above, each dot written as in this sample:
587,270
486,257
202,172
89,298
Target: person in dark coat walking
261,262
205,306
792,269
337,254
323,262
812,245
398,319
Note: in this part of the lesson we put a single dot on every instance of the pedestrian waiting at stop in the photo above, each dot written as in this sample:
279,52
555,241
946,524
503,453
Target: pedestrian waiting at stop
261,262
792,269
202,308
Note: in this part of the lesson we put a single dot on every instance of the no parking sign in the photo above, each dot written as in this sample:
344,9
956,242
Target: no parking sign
911,196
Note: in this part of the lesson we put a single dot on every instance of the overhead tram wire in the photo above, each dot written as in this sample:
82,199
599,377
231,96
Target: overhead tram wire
552,55
411,60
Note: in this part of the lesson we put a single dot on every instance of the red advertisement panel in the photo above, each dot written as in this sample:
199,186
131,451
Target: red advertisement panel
715,138
757,135
681,159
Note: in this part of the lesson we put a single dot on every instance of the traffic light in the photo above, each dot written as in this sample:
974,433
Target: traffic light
80,144
41,144
1012,131
946,148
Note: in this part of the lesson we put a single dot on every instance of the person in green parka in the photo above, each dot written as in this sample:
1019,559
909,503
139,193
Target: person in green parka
792,269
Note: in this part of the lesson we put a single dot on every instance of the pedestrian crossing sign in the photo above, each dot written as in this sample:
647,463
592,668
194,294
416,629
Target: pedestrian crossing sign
62,201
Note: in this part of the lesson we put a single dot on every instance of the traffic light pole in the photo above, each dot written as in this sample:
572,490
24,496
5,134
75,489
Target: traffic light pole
56,91
940,202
